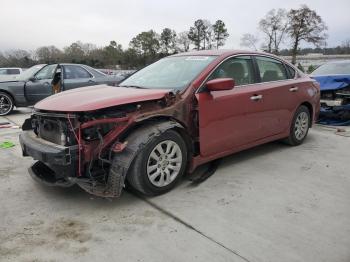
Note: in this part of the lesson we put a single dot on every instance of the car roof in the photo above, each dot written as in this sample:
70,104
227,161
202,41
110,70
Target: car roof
222,52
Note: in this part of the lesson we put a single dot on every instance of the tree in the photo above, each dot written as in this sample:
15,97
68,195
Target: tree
250,41
197,33
18,58
3,60
208,34
274,26
183,42
346,46
168,40
112,54
305,25
74,53
48,54
146,46
220,33
146,43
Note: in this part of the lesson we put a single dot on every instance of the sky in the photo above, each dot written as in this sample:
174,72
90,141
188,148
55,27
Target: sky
29,24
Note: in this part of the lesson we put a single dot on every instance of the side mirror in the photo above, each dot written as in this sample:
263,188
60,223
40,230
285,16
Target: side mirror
220,84
32,79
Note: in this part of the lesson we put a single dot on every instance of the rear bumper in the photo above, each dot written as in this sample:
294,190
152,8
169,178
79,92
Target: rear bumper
56,163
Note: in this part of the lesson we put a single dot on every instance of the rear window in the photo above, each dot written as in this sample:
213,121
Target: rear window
271,69
75,72
291,72
13,71
9,71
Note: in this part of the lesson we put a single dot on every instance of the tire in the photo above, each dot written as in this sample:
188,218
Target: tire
153,173
300,126
6,104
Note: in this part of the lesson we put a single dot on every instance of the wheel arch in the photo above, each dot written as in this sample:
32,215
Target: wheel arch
311,110
10,94
179,127
166,123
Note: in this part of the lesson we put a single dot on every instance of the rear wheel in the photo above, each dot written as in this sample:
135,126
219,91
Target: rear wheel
159,165
300,126
6,104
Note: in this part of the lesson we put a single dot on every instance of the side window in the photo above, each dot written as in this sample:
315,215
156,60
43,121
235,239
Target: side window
75,72
46,72
291,72
270,69
3,71
239,68
13,71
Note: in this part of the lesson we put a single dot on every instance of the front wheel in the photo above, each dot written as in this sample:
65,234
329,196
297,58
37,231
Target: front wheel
159,165
6,104
300,126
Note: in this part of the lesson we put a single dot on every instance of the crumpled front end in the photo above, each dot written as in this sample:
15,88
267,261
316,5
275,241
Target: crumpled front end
81,147
71,149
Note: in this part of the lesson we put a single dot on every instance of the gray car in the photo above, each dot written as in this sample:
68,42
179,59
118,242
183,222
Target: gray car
41,81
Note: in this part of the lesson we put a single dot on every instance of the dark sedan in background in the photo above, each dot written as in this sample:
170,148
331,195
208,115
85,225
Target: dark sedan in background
41,81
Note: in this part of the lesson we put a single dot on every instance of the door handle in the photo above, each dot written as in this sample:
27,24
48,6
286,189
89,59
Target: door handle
293,89
256,97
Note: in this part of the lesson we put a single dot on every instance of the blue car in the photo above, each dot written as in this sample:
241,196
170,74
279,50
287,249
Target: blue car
334,80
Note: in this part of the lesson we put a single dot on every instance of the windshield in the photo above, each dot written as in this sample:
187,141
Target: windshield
29,72
171,72
333,69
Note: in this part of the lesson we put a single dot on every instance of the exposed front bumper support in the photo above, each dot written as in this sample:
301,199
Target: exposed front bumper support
56,163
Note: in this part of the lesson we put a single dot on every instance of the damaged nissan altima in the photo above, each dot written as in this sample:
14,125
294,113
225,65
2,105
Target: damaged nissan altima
167,119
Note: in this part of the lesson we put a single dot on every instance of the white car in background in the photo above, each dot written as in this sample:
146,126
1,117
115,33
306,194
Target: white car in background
10,71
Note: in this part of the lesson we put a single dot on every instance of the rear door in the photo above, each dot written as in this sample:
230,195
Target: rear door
280,94
40,86
76,76
231,118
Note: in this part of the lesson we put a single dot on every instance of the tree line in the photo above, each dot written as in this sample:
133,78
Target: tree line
278,28
143,49
291,28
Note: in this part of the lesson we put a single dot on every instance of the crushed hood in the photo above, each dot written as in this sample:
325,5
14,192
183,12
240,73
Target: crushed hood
97,97
332,82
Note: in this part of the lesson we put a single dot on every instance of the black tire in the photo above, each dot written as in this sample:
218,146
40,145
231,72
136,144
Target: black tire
137,176
294,138
5,99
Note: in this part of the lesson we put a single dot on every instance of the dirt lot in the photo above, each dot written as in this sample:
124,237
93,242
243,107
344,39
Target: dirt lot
271,203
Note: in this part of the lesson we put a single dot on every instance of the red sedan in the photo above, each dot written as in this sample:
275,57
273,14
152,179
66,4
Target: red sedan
171,116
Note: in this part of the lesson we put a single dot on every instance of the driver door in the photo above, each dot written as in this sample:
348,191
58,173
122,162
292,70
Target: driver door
231,118
39,87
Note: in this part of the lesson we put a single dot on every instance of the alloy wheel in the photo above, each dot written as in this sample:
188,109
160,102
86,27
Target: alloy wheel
301,125
164,163
5,104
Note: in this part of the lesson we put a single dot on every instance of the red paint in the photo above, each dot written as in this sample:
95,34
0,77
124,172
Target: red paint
103,121
97,97
228,119
220,84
